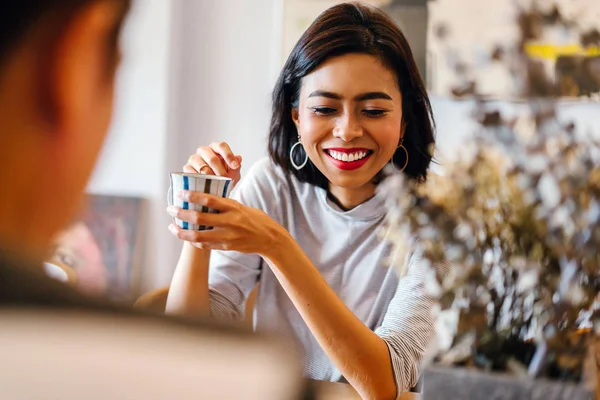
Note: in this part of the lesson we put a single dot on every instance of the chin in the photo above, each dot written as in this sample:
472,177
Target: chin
349,182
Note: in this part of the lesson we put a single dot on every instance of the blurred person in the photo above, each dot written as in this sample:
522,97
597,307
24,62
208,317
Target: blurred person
303,224
58,61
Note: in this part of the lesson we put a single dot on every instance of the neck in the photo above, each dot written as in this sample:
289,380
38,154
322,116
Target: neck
348,198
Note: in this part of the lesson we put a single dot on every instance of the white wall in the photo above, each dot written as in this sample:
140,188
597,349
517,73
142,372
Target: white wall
226,65
133,158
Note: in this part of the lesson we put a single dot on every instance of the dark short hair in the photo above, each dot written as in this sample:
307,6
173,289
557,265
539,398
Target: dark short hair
344,29
17,17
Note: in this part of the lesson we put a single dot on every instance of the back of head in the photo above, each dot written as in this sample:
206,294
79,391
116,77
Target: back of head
58,60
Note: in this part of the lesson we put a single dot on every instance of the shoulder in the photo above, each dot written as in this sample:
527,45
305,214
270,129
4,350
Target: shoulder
264,186
265,174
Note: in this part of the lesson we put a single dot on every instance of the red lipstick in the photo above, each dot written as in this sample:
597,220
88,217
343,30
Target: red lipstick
348,165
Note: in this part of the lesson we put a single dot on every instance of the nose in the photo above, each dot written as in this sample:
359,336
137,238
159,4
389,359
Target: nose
348,127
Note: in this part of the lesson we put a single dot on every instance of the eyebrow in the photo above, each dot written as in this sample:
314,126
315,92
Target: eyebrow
360,97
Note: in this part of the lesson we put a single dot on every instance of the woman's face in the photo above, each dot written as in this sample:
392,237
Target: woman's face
349,118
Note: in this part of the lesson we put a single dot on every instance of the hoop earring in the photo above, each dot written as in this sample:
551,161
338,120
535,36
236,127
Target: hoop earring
298,167
406,162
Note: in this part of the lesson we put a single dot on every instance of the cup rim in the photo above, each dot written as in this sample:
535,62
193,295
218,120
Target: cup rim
203,176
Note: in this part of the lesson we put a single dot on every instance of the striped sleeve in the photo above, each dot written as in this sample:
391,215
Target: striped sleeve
408,326
231,278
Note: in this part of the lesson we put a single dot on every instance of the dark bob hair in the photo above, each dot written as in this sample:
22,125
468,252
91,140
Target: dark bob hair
18,17
344,29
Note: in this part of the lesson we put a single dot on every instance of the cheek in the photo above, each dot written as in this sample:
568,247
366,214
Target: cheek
313,129
107,107
387,134
99,123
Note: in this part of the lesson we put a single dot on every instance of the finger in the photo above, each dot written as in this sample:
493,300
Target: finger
223,150
195,162
205,169
197,165
213,160
196,217
209,238
207,200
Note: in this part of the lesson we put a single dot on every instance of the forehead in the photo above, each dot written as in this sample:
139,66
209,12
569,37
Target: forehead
350,74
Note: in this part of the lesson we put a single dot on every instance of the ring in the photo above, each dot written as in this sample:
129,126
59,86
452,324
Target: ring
202,167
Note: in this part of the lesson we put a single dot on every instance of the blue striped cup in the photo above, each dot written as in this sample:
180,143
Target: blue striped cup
210,184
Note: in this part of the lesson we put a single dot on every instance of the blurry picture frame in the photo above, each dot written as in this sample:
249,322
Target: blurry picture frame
104,246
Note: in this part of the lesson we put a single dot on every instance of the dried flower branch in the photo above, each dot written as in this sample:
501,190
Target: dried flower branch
518,217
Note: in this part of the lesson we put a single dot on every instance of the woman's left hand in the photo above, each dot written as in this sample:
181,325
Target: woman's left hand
236,227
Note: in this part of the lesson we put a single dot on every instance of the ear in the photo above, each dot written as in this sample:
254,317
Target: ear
79,65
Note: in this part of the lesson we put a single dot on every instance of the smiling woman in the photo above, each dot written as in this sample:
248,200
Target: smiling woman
304,223
352,132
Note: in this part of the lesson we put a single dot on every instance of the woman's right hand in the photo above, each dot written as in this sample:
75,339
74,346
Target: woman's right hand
215,159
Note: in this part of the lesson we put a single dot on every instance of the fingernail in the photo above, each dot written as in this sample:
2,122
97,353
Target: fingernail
171,210
235,165
172,228
183,195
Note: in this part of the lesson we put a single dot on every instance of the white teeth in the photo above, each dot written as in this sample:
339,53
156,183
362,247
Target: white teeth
347,157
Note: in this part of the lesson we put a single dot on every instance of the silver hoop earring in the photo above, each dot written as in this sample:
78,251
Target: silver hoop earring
400,146
298,167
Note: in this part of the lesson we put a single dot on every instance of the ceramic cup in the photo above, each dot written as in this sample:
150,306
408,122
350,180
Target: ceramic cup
210,184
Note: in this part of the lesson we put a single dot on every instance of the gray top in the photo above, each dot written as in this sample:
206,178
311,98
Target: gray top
345,248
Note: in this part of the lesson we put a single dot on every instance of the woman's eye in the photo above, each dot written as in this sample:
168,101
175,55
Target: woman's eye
375,113
323,110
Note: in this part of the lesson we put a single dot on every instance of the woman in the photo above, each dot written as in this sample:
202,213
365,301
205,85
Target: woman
304,223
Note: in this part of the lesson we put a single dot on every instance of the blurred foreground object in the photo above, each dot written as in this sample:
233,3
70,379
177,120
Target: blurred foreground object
343,391
518,218
75,355
58,67
60,272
